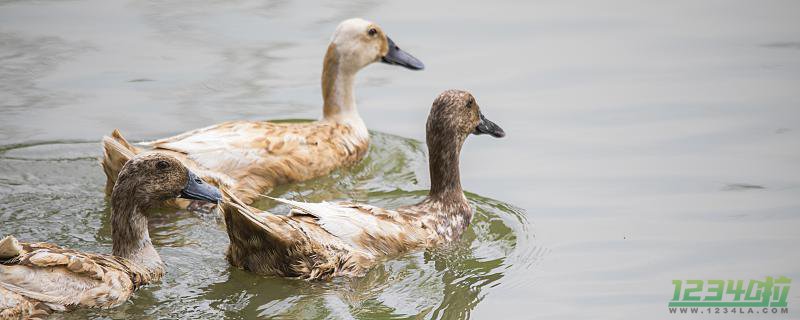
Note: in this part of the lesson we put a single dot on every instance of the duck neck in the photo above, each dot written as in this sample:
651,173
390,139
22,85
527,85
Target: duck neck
445,176
446,199
131,239
338,82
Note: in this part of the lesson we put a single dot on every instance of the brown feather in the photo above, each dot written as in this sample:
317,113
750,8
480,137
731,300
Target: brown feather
250,158
325,240
36,278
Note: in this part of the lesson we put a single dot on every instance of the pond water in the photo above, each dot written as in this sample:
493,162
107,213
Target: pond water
646,142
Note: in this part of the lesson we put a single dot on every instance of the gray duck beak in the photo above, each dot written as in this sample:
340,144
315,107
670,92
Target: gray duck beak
197,189
401,58
487,127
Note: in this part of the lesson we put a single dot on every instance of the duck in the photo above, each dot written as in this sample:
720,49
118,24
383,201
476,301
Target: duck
252,157
39,278
319,241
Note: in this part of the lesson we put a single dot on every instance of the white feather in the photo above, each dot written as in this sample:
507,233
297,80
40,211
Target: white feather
346,222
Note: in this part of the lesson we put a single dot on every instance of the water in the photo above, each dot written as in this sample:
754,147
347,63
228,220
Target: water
43,203
646,142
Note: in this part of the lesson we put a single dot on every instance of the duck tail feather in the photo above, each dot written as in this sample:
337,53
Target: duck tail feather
116,152
231,199
10,248
311,209
232,206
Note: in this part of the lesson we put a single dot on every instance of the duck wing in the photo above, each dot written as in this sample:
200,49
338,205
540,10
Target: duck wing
373,229
61,277
233,145
291,246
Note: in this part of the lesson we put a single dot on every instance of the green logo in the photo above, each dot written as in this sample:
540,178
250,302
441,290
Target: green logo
770,292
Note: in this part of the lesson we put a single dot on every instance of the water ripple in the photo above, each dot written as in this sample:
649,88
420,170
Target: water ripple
46,187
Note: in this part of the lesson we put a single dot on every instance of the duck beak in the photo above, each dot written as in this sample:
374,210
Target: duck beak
487,127
401,58
197,189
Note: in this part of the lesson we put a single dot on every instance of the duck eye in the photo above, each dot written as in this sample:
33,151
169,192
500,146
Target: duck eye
161,165
372,32
469,104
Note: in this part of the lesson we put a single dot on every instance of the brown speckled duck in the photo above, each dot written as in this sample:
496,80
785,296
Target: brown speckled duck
252,157
324,240
37,278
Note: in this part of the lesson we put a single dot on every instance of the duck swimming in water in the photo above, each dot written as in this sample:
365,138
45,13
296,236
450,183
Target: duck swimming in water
252,157
37,278
324,240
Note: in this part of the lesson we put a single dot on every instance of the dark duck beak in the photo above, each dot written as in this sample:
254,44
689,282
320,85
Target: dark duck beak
399,57
197,189
487,127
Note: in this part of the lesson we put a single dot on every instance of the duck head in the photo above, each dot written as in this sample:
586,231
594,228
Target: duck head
149,179
357,43
455,114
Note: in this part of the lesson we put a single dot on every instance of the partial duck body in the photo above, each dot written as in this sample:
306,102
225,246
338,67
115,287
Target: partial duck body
251,157
38,278
325,240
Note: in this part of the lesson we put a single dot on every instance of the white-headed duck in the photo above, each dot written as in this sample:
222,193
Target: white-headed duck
324,240
252,157
37,278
